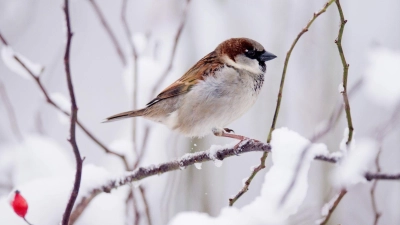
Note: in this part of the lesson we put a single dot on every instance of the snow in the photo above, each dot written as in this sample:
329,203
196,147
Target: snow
382,76
341,88
47,198
215,148
7,54
64,104
36,157
355,164
287,147
198,166
325,209
344,148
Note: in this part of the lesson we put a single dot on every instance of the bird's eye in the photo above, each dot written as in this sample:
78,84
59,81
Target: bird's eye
250,53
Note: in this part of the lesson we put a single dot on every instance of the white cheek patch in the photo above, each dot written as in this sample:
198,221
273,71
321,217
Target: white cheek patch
250,65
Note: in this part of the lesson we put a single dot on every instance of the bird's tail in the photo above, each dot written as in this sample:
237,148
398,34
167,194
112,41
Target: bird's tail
125,115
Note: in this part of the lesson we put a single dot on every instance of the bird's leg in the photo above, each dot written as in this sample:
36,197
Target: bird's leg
223,133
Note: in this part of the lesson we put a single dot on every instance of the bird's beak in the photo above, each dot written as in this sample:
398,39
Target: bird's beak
266,56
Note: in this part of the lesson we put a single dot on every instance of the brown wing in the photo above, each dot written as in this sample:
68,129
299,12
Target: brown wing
203,68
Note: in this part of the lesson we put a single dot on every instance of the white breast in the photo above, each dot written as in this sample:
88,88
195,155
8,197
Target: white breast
215,102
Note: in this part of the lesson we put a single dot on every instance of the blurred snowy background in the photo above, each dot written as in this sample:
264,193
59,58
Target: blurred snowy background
41,165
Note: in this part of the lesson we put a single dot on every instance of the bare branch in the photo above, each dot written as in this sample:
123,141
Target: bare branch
146,204
377,214
333,207
74,116
171,59
3,40
109,31
135,69
338,42
382,176
55,105
10,112
278,104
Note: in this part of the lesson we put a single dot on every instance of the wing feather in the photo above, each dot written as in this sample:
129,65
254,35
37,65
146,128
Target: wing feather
204,67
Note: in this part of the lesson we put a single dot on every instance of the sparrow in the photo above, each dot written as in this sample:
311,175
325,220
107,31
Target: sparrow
217,90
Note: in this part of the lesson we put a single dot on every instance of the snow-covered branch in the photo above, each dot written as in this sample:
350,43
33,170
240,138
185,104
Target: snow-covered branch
215,153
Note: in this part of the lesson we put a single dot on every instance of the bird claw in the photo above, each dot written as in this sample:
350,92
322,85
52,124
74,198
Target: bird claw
229,130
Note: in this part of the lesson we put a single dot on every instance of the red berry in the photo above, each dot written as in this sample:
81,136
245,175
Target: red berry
19,204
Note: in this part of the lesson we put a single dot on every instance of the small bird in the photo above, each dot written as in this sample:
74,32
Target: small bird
217,90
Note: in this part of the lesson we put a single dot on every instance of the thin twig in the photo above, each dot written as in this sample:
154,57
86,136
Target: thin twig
135,70
165,74
333,207
27,221
10,112
278,104
146,205
377,214
322,132
55,105
131,197
110,33
74,116
338,42
134,126
3,40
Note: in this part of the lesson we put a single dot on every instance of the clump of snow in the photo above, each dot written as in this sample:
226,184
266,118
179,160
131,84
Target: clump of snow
36,157
382,77
212,152
47,198
355,164
218,163
7,54
64,104
325,209
344,148
341,88
287,147
198,166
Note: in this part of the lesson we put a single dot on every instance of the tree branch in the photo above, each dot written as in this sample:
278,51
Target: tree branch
171,59
333,207
109,31
179,164
55,105
377,214
278,104
74,116
338,42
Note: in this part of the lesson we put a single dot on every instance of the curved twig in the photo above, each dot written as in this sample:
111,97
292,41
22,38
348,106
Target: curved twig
165,74
278,104
39,83
74,116
109,31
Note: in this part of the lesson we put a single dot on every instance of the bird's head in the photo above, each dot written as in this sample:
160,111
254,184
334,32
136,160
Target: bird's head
244,54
